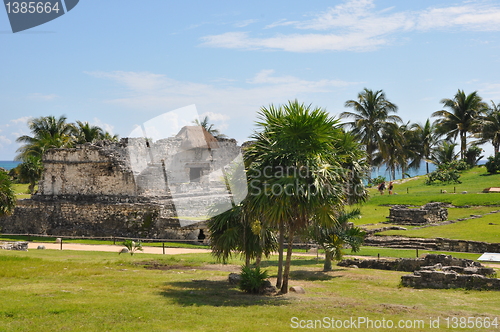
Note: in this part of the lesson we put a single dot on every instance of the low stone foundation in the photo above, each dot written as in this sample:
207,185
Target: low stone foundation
438,244
449,279
413,264
429,213
21,246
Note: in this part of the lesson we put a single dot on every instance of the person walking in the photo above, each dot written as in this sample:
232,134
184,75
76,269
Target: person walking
381,188
391,187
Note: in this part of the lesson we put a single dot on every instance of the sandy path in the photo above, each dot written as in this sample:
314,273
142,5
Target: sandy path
115,248
173,251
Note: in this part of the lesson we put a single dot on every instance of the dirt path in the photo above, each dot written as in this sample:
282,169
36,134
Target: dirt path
172,251
115,248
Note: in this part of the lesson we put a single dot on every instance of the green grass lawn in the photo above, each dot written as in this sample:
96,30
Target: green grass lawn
21,190
479,229
415,192
54,290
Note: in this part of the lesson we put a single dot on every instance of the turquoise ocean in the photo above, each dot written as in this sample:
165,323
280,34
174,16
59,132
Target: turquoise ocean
8,164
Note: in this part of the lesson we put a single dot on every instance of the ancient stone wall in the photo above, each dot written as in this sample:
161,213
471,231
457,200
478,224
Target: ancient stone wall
85,171
440,244
413,264
134,188
429,213
449,279
73,218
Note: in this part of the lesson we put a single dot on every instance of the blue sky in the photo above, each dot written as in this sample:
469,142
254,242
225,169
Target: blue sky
118,64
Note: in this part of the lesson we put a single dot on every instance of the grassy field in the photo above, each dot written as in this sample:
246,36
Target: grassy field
53,290
415,192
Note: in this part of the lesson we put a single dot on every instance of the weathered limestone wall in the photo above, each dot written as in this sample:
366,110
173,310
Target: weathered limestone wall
87,170
429,213
413,264
134,188
432,244
449,279
66,218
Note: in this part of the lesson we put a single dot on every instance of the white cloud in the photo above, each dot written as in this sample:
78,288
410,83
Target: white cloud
356,25
107,127
42,97
244,23
22,120
216,117
4,141
221,102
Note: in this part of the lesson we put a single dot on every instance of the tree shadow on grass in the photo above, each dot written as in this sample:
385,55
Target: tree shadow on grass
313,275
299,261
216,293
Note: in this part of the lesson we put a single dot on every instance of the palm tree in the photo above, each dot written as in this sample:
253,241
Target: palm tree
48,132
489,127
333,239
371,113
296,171
84,132
30,171
209,127
465,112
235,230
425,138
444,153
7,197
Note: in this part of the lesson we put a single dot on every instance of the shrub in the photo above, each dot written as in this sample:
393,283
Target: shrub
473,155
493,164
376,181
447,172
252,279
132,246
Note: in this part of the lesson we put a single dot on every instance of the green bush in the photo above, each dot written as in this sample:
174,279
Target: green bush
473,155
493,164
252,279
376,181
447,172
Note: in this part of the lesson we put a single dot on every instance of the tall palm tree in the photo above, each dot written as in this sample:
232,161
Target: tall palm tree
489,127
7,197
464,113
84,132
425,138
48,132
205,123
295,170
444,153
371,111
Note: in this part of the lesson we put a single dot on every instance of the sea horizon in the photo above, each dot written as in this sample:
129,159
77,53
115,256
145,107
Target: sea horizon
8,164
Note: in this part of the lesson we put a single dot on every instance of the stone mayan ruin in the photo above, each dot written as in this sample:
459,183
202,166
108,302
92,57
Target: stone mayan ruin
134,188
427,214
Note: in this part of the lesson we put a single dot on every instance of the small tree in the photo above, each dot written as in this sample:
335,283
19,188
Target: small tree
133,246
473,155
334,238
493,164
30,172
7,197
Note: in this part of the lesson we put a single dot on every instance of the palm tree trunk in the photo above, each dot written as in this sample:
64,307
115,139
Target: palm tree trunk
327,266
279,279
258,259
247,260
286,273
463,144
